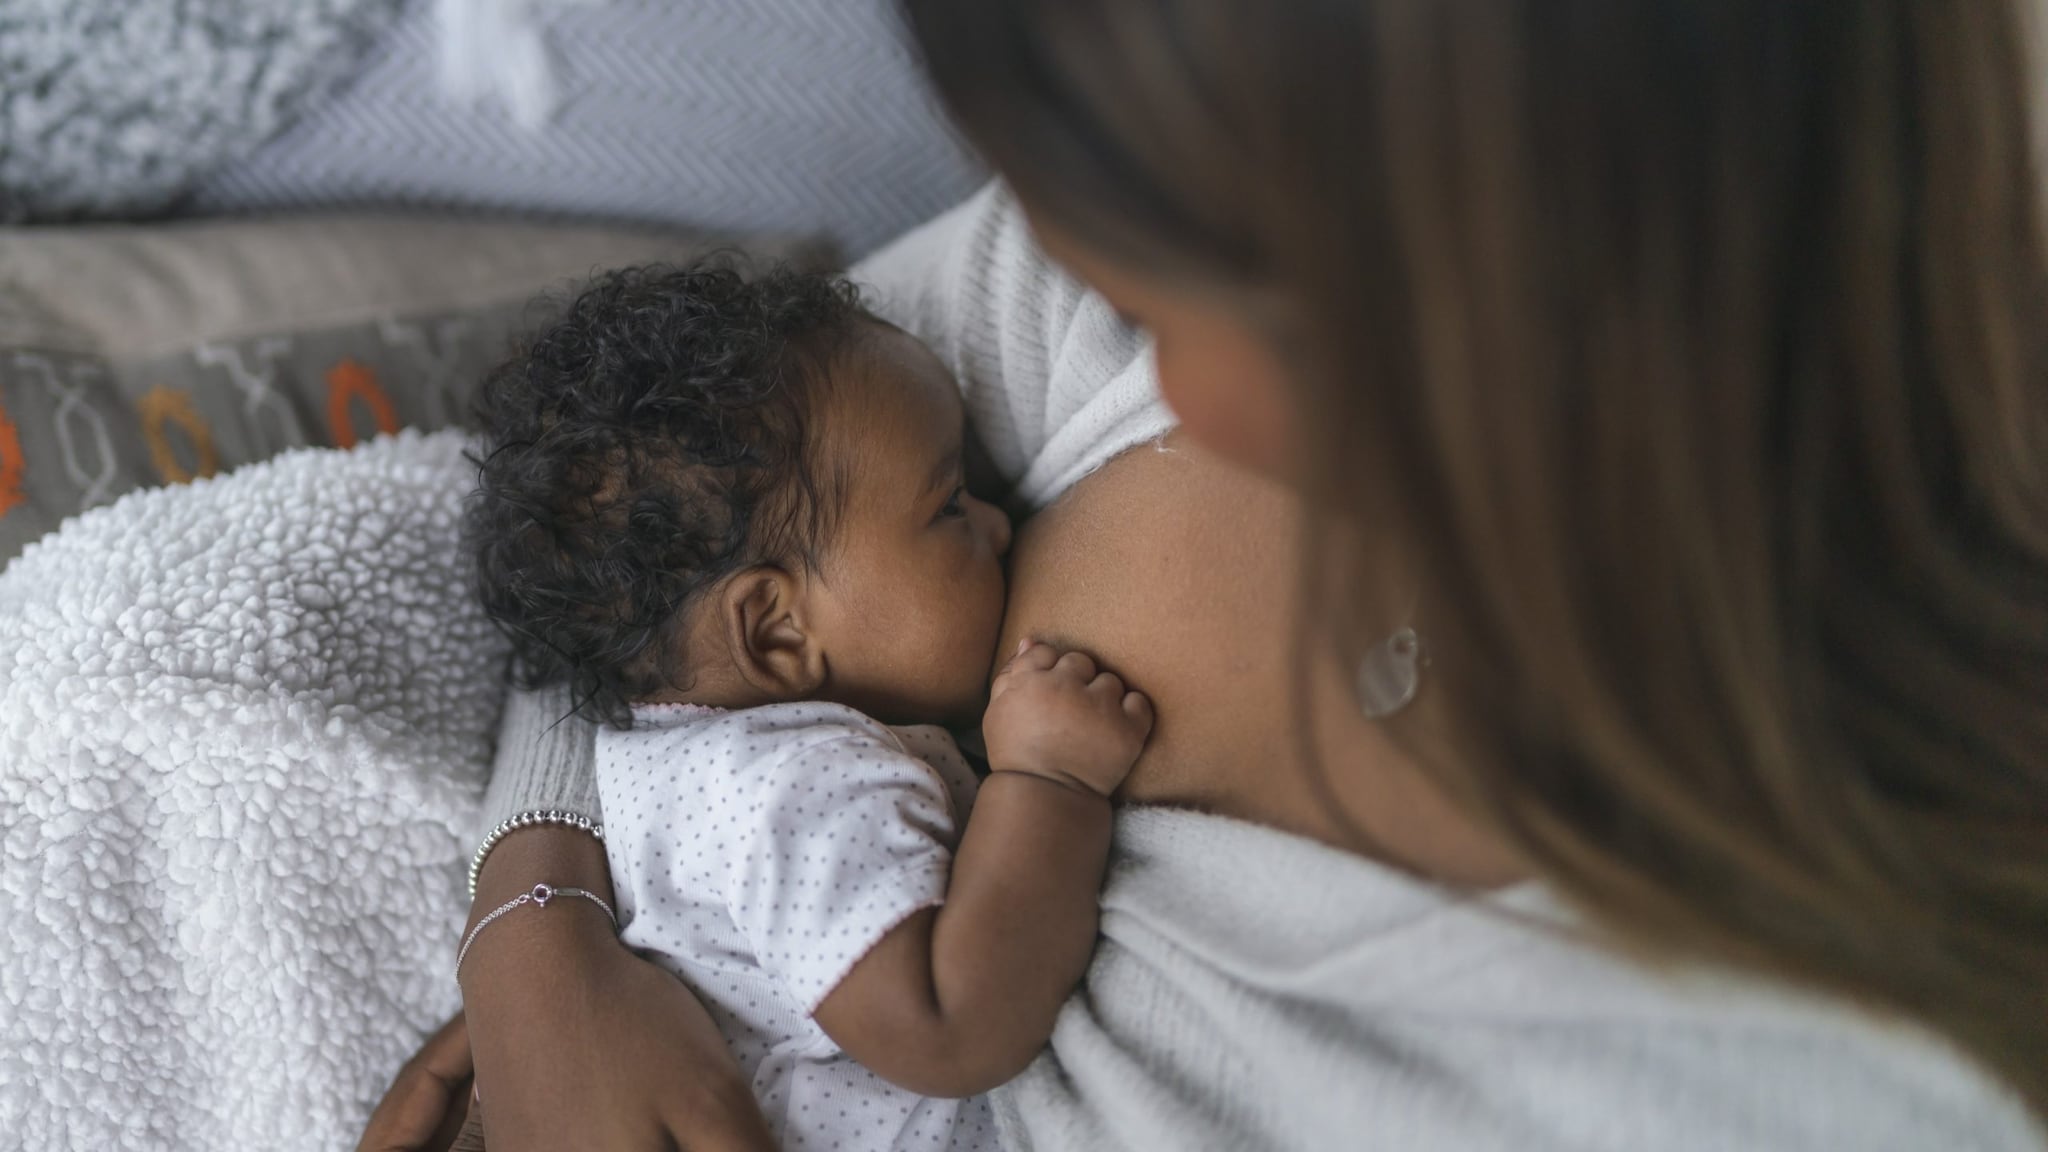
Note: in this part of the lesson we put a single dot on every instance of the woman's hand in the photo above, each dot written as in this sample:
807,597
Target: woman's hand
577,1042
424,1108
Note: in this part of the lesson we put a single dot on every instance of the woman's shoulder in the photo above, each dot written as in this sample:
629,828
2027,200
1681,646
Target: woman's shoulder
1053,381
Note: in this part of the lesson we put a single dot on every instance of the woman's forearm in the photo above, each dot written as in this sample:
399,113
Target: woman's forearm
557,856
546,759
544,774
577,1041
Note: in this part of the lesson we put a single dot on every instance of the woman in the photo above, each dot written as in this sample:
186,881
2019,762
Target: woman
1670,383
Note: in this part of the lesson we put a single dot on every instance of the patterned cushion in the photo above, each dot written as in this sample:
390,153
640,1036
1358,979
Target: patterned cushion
133,356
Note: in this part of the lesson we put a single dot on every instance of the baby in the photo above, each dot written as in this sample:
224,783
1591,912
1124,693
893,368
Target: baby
731,514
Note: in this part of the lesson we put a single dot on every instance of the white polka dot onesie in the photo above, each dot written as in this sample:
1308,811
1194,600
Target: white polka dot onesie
759,854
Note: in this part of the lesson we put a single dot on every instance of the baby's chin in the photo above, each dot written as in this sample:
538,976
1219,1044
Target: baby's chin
953,698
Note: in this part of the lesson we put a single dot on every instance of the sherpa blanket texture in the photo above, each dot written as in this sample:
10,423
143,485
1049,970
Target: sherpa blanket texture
116,107
244,730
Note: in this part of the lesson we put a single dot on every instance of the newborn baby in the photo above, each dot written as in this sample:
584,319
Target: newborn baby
731,513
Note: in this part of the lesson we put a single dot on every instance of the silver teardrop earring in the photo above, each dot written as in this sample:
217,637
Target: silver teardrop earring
1390,674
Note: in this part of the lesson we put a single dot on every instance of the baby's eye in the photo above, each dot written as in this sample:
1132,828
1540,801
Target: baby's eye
953,507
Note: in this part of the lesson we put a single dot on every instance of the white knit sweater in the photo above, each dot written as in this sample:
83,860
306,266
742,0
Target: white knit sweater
1253,990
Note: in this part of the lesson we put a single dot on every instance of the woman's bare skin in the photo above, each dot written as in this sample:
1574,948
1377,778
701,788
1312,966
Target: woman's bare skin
1177,571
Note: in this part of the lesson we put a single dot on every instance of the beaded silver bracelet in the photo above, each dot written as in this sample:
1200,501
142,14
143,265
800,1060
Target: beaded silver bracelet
528,819
538,896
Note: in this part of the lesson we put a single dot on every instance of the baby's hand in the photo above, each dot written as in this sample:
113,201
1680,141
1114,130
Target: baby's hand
1054,715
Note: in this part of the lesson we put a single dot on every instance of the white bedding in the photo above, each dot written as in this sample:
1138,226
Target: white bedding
244,728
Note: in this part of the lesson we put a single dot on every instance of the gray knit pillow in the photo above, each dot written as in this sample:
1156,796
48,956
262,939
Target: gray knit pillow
115,107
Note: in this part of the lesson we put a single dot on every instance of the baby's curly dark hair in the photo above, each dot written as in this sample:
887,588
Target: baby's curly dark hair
653,440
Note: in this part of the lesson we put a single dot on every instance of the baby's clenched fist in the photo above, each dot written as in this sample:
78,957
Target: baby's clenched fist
1055,714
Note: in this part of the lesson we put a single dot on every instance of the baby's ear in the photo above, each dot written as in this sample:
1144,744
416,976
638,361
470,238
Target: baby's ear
772,647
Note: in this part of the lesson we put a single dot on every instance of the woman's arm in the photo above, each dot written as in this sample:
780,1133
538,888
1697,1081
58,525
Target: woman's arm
576,1041
546,760
1054,382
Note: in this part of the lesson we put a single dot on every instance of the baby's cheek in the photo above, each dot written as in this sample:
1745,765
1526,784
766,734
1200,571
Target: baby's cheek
989,618
972,629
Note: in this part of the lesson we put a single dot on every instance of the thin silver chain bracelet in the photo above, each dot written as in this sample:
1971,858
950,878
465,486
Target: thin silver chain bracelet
538,896
528,819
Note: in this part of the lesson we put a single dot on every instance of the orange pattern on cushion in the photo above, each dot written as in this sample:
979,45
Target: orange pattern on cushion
349,381
11,464
161,409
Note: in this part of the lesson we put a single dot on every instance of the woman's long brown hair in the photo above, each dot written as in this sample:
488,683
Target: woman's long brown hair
1696,352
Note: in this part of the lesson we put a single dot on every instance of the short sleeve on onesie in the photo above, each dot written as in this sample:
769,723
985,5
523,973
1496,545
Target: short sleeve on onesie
845,835
759,854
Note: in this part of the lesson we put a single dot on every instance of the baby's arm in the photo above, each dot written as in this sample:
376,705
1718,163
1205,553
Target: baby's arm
957,999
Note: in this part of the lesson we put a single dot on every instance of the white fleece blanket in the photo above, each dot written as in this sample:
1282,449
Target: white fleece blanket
244,729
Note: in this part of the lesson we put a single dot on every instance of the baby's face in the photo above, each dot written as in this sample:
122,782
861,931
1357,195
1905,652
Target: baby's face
913,573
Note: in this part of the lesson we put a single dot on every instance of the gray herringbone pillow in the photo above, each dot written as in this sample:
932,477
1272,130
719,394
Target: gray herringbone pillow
738,115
